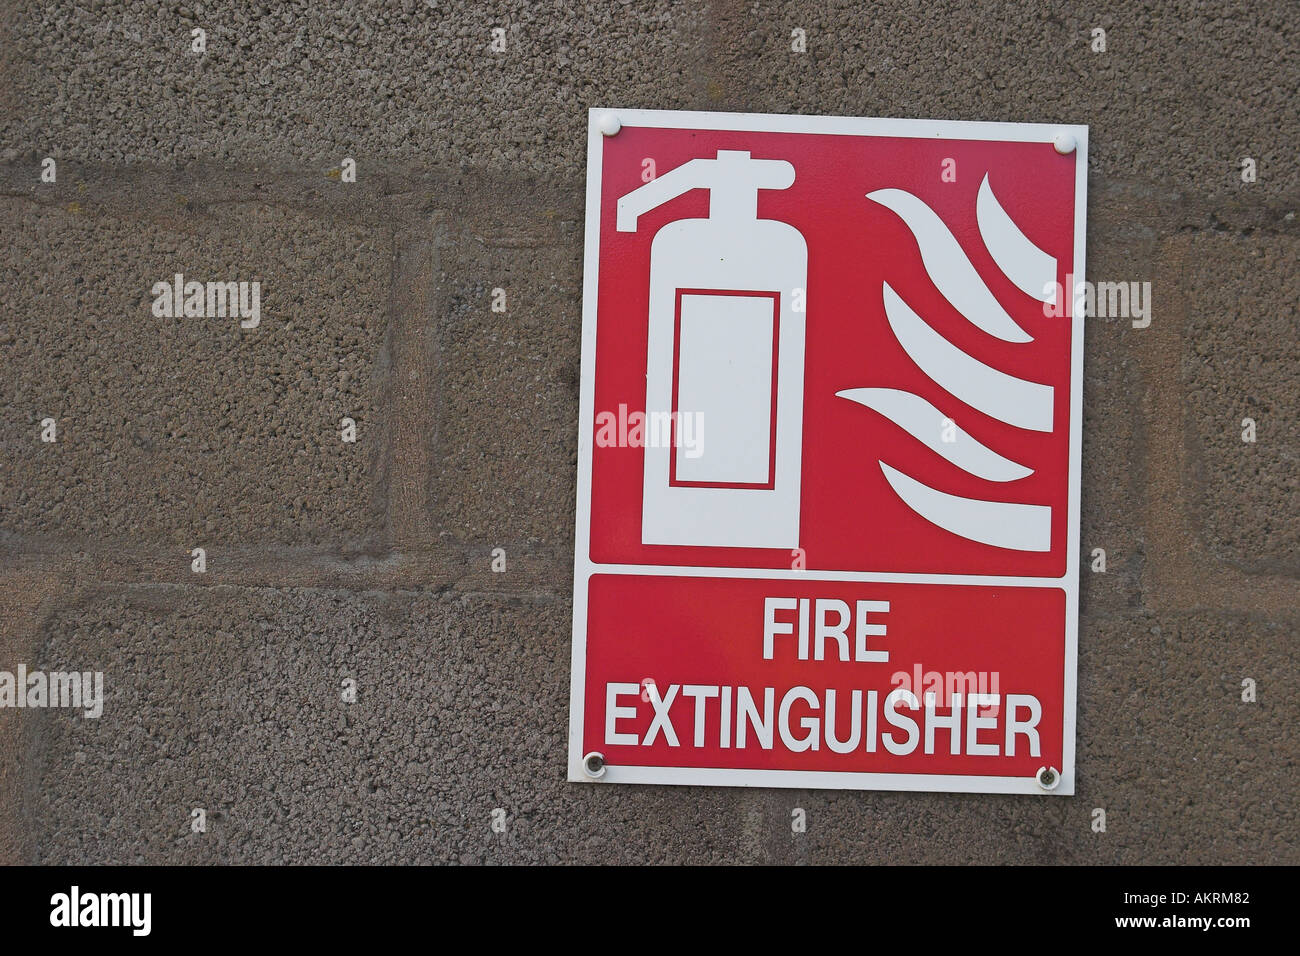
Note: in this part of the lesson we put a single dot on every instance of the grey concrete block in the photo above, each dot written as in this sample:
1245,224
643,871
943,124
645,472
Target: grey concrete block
1017,64
229,699
25,596
220,700
1187,771
1239,362
1113,494
506,453
418,85
414,84
190,431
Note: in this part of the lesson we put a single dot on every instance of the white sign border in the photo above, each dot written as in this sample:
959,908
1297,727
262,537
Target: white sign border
584,568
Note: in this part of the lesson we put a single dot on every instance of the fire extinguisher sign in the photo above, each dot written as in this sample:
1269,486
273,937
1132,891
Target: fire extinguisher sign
828,455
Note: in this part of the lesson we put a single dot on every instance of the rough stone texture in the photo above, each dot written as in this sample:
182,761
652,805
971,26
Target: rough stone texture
507,453
1181,95
414,83
229,700
189,430
1241,360
1112,487
26,599
372,561
1015,64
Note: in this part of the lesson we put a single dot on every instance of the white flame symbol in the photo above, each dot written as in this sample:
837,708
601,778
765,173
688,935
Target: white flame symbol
1023,404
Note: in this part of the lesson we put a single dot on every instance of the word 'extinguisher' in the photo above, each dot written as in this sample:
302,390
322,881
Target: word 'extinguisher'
724,373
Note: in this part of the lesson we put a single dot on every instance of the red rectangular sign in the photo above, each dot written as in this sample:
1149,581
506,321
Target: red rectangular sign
832,383
823,676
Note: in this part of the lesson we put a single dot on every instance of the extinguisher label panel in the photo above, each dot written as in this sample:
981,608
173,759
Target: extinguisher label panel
725,376
829,453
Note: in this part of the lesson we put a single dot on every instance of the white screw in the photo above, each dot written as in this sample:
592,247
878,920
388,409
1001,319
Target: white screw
593,765
1049,778
1064,143
609,124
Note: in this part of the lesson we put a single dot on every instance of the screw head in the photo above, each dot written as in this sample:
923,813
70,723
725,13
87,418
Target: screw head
1064,143
609,124
593,765
1049,778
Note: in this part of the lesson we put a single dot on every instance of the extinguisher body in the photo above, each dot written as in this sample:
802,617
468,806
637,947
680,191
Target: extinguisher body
725,365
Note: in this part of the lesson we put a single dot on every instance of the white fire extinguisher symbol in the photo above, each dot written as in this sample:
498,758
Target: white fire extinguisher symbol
1013,401
725,347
